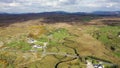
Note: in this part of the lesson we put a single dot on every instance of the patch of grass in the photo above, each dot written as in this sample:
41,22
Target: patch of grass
58,36
20,44
47,62
55,37
117,54
60,33
107,35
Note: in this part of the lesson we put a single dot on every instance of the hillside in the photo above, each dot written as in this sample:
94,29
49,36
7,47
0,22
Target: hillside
65,41
56,17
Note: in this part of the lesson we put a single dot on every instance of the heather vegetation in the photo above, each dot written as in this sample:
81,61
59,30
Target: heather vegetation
59,45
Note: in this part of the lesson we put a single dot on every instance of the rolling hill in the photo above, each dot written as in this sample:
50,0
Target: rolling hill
70,38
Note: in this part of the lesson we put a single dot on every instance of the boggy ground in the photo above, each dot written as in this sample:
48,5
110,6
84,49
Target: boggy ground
67,39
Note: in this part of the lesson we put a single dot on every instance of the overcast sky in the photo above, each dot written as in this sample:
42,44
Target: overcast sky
34,6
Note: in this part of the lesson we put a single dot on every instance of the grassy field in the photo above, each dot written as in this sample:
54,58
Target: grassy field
82,40
109,35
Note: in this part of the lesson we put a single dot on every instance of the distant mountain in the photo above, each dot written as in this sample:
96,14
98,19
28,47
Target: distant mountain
58,12
101,13
56,16
3,13
106,13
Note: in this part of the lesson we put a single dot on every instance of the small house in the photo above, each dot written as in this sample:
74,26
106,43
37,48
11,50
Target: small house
37,46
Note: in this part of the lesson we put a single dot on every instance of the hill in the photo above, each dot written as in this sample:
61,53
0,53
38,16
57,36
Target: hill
60,40
56,17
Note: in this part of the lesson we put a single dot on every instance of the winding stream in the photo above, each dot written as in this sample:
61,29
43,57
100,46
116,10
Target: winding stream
56,66
77,54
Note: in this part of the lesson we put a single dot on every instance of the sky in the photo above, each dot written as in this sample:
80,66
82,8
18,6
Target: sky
36,6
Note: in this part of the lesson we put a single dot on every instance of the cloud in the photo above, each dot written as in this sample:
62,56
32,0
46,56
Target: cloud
111,4
14,4
58,5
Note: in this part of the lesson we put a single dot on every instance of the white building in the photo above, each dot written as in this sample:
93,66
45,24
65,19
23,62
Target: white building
37,46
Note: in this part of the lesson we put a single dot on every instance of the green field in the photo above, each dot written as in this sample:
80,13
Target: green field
109,36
